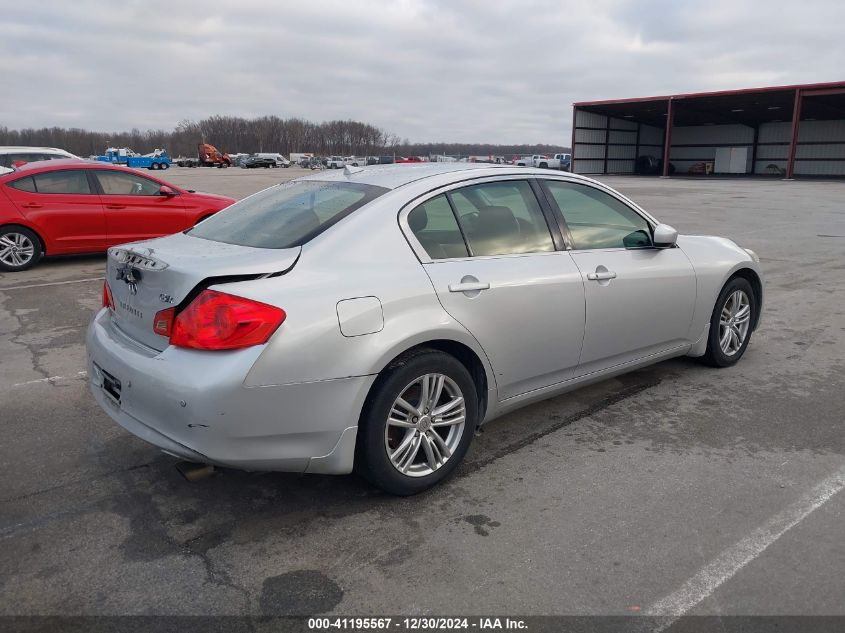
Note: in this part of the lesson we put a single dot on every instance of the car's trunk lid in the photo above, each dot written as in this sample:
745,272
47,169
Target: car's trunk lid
146,277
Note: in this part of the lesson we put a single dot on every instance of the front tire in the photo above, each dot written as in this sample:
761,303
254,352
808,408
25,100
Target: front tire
731,324
20,248
417,423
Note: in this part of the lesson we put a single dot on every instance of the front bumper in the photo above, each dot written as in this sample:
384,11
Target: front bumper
194,405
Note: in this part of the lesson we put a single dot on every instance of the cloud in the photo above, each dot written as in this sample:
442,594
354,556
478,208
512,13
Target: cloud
473,71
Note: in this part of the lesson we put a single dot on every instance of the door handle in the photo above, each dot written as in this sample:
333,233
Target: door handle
115,206
32,205
469,286
609,274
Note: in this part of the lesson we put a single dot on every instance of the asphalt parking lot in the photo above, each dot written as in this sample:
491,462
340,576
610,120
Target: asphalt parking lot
674,489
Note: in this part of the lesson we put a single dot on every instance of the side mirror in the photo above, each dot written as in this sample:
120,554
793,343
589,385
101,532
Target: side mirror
665,236
164,190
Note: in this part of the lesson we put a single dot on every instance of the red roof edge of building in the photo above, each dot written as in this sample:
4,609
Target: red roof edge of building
717,93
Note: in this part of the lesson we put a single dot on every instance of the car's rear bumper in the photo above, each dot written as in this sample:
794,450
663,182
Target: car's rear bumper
194,405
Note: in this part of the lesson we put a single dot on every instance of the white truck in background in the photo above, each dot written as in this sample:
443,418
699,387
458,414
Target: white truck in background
558,161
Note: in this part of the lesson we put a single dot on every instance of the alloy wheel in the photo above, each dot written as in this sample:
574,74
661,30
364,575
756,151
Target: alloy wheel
734,321
16,249
425,425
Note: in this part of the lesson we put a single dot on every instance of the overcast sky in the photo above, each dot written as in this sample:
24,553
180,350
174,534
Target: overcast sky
472,71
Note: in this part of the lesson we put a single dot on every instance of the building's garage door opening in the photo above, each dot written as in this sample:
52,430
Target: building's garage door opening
780,132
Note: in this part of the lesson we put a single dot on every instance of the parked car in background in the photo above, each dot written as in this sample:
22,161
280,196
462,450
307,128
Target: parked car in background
61,207
253,162
380,160
373,320
14,156
355,161
409,159
335,162
280,160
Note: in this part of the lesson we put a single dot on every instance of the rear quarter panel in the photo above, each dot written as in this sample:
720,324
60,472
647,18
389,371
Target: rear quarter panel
364,255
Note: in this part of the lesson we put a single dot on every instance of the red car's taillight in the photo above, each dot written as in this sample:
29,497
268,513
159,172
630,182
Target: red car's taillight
108,301
216,320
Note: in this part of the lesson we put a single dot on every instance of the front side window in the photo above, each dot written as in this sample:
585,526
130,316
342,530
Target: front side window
286,215
598,220
502,218
435,227
121,183
72,181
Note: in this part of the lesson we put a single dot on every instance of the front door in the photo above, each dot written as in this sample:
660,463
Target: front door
496,271
639,299
134,208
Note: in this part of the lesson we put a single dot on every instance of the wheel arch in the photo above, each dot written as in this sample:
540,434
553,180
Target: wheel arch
752,278
463,353
28,227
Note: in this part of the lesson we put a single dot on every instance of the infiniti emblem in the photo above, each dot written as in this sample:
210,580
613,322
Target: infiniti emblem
131,276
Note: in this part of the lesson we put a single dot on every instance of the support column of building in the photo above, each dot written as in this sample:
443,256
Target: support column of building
667,136
793,139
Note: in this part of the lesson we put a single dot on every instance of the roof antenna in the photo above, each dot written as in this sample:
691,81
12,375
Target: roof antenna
348,170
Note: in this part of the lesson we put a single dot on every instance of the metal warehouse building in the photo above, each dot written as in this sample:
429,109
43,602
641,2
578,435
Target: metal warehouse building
781,131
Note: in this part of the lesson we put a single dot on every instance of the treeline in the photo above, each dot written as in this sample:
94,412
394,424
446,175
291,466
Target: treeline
261,134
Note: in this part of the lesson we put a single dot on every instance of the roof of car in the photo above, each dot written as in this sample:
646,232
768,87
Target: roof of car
394,176
60,163
8,149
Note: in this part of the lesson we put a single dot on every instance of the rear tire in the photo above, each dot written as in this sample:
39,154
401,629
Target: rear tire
20,248
417,423
731,324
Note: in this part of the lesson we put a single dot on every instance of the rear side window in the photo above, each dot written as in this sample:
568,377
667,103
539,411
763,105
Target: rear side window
436,229
73,181
24,184
286,215
502,218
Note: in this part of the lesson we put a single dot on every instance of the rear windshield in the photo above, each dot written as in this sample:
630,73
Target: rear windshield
287,215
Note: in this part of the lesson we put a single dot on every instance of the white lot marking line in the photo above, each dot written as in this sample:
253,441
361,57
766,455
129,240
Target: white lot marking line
729,562
52,379
51,283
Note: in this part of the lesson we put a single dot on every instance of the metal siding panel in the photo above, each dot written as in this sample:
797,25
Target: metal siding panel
727,135
810,131
772,152
819,168
774,132
623,124
589,119
589,136
699,153
650,135
623,137
587,152
588,166
821,151
615,152
620,166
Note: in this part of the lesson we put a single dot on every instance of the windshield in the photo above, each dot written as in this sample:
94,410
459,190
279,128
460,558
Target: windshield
286,215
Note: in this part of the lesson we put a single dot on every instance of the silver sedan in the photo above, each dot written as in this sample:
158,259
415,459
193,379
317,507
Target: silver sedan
373,318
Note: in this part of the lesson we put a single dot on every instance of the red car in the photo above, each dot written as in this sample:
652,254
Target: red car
61,207
409,159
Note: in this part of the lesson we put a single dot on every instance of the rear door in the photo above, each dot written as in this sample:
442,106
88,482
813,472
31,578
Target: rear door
134,209
497,270
639,299
64,208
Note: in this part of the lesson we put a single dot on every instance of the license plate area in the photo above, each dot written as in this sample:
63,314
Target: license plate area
110,384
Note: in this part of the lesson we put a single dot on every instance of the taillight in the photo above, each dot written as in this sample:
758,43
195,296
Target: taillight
163,321
108,301
216,320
